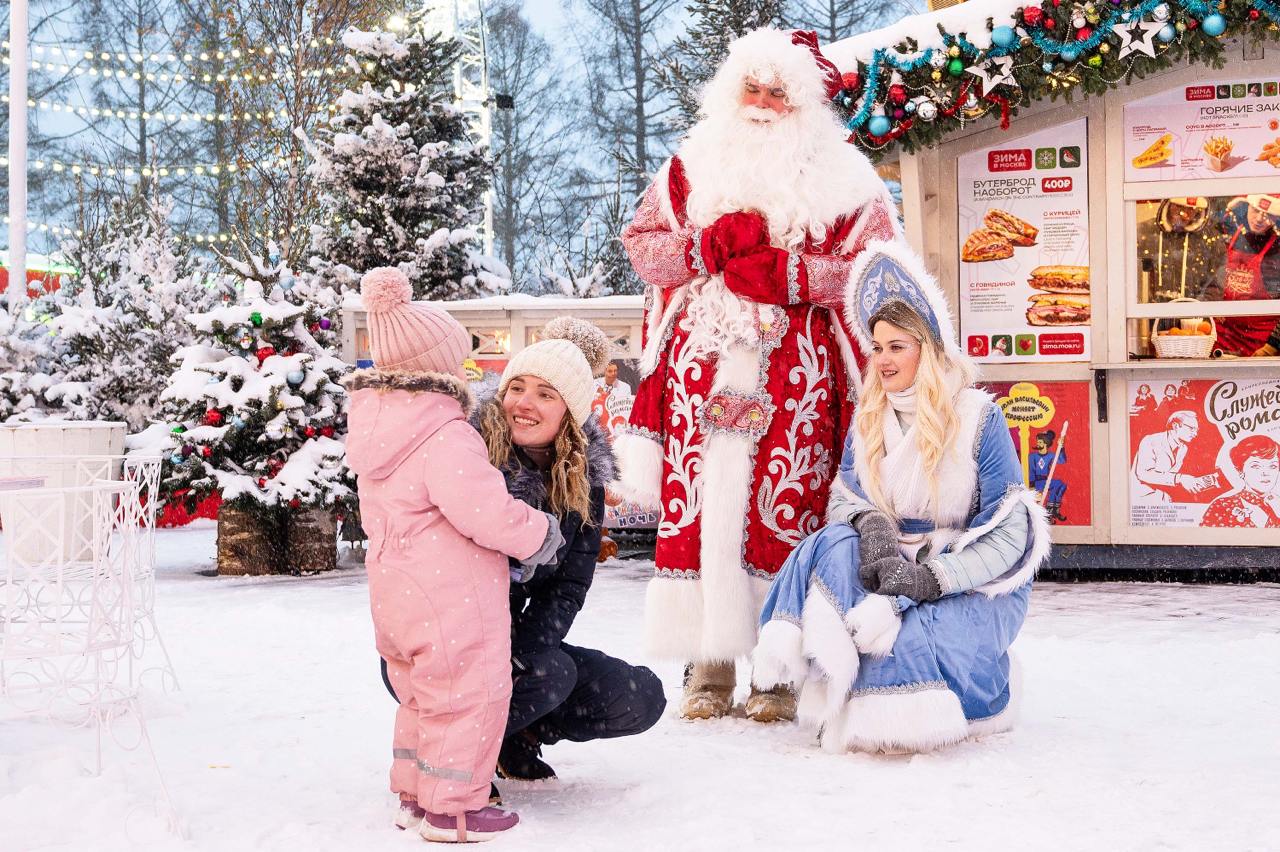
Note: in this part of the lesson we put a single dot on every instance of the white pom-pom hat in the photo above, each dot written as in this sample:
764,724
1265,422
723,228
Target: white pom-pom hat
410,336
571,351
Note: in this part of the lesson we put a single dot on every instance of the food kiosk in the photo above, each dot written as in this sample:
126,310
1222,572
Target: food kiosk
1103,208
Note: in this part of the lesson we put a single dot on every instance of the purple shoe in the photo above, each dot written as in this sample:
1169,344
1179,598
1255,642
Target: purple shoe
471,827
409,815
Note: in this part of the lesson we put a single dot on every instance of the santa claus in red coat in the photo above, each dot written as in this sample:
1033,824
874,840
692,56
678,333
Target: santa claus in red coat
748,377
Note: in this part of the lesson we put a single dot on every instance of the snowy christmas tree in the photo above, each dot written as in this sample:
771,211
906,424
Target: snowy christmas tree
255,412
694,57
31,358
403,182
122,316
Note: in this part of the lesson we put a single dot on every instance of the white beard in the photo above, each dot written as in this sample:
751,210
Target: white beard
796,170
715,318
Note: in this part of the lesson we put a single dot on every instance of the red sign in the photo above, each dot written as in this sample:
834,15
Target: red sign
1009,161
1061,183
1199,93
1062,344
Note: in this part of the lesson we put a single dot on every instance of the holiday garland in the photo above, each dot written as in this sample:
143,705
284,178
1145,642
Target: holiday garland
912,97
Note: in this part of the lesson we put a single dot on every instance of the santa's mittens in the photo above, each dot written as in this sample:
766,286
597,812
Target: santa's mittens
385,288
732,235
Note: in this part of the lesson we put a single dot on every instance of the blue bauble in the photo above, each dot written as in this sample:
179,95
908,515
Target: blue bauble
295,377
878,125
1215,25
176,458
287,281
237,422
1069,54
213,380
1167,33
1002,36
910,107
1047,66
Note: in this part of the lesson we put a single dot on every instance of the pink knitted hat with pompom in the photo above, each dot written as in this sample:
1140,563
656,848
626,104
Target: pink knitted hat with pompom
406,335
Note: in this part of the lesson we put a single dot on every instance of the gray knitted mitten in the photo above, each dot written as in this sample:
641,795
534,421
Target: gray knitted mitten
897,576
877,539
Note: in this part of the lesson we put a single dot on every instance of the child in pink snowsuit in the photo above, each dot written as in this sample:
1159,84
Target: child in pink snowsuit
441,526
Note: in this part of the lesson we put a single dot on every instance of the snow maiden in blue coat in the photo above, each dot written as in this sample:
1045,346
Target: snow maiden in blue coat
895,620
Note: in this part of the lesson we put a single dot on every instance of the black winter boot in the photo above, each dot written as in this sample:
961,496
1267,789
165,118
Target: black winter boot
1054,511
520,759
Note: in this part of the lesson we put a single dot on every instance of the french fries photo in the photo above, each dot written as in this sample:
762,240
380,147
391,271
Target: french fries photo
1217,149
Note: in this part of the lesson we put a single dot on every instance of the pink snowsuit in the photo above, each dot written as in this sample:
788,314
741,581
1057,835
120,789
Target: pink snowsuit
440,524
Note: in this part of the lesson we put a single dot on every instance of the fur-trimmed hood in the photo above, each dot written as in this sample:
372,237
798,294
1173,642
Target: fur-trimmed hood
526,483
393,413
414,382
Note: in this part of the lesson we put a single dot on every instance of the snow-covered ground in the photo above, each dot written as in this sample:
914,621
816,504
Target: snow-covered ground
1151,721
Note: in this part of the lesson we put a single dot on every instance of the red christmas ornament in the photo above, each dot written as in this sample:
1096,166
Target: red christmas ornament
315,326
1253,14
1192,23
327,431
1057,3
1083,34
206,451
1049,23
850,81
295,503
213,417
262,482
1032,15
898,94
310,431
264,353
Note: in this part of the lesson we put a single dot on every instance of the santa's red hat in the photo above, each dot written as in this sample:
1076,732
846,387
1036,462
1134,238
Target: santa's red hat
789,57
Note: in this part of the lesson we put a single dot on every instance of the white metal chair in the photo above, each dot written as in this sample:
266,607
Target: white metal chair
138,512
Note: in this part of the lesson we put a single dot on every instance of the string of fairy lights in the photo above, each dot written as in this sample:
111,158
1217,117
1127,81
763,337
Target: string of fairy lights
177,67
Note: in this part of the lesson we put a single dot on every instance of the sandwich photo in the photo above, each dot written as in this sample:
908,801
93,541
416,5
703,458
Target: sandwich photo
1058,309
1060,279
1010,227
985,244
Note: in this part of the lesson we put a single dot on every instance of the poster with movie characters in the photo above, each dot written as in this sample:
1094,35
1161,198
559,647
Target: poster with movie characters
1204,452
613,410
1050,426
1219,128
1024,248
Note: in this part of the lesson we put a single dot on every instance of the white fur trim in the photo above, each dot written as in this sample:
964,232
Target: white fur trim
911,721
1041,541
846,353
673,617
828,644
679,626
662,182
640,468
903,254
1005,719
778,658
666,314
874,622
769,52
811,705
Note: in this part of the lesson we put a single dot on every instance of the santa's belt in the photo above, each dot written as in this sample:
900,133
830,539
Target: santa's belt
736,414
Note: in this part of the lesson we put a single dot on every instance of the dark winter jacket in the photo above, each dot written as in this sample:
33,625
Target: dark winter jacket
543,609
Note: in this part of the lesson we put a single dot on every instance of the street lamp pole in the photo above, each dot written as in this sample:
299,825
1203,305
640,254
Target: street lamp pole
17,154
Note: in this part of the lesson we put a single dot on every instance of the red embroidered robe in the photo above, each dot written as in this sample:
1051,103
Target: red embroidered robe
738,449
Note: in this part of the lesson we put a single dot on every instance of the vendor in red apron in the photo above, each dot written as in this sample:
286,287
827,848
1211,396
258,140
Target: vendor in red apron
1253,272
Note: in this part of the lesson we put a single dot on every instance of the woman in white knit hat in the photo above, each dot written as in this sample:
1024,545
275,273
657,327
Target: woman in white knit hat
541,434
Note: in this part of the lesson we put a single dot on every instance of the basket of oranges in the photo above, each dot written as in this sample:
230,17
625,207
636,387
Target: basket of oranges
1190,337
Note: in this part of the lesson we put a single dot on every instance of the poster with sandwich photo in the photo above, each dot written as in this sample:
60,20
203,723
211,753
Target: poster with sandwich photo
1024,248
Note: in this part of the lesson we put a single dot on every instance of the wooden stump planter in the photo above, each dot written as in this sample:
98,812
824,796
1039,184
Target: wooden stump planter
249,542
312,538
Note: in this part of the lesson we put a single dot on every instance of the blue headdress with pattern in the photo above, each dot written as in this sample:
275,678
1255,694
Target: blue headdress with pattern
889,271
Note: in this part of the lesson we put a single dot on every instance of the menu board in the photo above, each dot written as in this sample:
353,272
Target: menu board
1227,128
1204,453
1024,248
